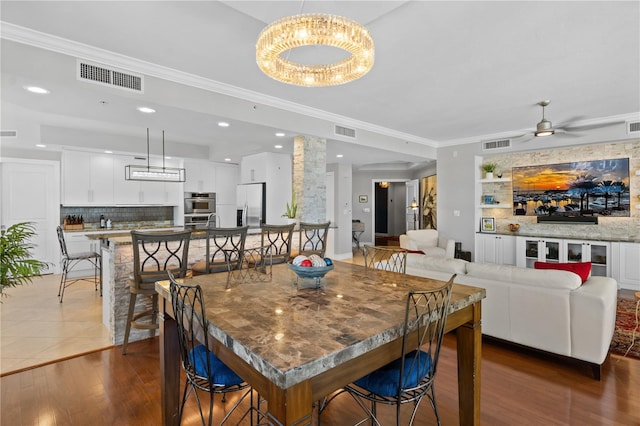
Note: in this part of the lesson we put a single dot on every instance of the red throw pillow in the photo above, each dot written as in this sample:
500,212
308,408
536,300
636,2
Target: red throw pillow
583,269
415,251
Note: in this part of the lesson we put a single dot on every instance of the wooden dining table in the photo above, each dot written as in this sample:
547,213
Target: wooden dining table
295,341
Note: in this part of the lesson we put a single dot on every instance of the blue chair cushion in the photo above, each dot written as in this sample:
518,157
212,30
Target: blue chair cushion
384,381
220,374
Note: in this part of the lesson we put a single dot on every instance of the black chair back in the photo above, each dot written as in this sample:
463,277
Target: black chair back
278,237
154,253
224,248
313,238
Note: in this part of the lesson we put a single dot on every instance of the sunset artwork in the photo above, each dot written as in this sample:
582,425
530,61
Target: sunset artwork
594,188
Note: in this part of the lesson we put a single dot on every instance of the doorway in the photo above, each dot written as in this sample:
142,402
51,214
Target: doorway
381,209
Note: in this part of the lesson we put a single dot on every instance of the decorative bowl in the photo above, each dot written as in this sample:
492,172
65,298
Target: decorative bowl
310,271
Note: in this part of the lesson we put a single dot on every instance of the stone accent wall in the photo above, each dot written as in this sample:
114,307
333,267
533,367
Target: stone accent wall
607,228
309,178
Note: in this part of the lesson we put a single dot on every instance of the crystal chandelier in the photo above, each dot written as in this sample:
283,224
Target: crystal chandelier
315,29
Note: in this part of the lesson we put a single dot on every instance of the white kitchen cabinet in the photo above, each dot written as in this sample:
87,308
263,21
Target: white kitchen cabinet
532,249
200,176
87,179
498,249
226,177
626,265
596,252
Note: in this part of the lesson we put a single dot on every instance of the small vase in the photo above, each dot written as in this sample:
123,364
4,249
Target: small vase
489,175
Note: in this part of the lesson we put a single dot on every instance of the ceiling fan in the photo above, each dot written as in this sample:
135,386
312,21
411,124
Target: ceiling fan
545,128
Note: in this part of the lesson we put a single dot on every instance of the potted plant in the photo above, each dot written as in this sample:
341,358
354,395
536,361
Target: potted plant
291,210
489,168
16,265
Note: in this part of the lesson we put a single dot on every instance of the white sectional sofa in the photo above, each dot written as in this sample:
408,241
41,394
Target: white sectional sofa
550,310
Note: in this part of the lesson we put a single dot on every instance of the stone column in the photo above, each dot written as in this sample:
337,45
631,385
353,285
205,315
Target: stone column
309,178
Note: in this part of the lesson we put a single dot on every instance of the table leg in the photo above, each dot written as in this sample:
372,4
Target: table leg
469,348
169,366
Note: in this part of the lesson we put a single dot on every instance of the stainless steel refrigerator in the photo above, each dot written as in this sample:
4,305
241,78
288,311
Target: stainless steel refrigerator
251,204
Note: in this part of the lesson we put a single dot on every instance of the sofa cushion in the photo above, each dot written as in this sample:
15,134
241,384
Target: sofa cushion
424,237
525,276
437,263
583,269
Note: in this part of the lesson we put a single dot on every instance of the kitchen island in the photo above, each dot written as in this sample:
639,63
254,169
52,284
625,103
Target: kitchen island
117,270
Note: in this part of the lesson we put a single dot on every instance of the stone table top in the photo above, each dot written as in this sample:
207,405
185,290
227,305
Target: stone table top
290,333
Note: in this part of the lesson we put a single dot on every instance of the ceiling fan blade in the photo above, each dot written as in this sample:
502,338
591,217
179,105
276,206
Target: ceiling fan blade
592,126
523,138
567,123
564,134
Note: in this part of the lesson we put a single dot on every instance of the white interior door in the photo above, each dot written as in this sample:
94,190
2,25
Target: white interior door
31,193
412,187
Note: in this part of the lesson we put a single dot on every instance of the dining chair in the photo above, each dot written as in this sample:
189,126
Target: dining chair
313,239
203,370
70,260
223,253
255,265
411,377
388,258
278,237
154,254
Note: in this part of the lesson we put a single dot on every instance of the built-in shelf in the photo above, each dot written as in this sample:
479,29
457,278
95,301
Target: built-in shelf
495,206
495,180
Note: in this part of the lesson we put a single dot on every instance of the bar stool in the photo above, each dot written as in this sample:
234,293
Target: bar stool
313,239
154,253
278,238
70,260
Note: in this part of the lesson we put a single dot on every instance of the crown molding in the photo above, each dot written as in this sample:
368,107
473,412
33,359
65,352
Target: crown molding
72,48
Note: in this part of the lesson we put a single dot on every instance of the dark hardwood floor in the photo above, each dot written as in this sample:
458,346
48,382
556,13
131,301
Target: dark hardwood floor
519,387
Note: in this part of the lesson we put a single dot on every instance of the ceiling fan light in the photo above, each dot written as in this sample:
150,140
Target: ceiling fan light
545,133
544,128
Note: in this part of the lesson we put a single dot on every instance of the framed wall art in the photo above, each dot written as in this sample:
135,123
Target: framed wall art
488,224
429,202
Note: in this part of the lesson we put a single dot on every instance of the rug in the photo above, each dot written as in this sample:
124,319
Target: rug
625,324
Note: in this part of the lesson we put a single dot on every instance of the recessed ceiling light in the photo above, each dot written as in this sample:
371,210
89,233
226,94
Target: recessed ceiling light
146,110
108,152
339,155
223,124
278,146
39,145
227,159
279,134
36,89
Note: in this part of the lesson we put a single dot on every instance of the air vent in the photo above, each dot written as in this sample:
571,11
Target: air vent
633,127
497,144
8,133
104,75
345,131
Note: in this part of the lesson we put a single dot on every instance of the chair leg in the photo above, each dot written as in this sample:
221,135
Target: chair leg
127,330
63,280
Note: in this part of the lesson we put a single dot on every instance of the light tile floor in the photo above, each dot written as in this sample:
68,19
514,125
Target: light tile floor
36,329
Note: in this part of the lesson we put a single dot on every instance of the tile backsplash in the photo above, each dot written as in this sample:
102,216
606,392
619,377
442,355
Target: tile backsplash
118,215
